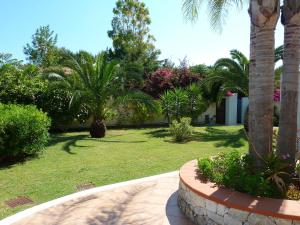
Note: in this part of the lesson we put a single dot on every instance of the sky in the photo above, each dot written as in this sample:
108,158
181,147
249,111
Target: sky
83,25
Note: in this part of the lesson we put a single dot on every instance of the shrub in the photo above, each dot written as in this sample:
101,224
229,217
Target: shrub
234,170
55,101
53,97
17,87
180,103
23,131
181,131
175,104
165,79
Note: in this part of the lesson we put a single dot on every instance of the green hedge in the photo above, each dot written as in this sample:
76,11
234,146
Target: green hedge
23,131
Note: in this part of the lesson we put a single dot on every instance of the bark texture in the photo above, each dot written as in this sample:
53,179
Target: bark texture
98,128
264,16
289,86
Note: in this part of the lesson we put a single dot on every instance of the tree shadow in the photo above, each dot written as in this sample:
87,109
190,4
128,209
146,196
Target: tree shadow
70,141
223,138
161,133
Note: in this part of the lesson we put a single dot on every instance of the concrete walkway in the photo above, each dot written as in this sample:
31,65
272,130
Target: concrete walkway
142,202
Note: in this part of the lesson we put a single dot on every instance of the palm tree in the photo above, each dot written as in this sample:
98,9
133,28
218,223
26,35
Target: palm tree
264,16
232,74
96,84
289,86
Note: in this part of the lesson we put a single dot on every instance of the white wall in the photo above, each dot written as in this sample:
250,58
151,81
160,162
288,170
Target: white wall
231,110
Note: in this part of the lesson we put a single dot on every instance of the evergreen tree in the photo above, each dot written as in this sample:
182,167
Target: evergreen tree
133,45
43,51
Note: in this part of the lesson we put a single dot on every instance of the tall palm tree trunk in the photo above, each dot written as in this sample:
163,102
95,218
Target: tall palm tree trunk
264,16
252,84
289,86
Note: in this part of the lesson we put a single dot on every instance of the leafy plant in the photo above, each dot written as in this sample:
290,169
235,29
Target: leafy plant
237,171
94,82
175,104
182,130
180,103
23,131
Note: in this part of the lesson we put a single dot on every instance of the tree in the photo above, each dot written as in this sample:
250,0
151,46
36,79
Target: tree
6,59
229,74
94,82
264,16
43,51
289,86
133,45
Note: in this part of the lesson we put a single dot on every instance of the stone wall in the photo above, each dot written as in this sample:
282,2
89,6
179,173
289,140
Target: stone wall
206,212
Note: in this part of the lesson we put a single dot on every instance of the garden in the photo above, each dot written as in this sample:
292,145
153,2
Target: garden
70,121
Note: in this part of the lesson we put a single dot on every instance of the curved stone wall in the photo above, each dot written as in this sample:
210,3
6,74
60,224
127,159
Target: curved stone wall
206,204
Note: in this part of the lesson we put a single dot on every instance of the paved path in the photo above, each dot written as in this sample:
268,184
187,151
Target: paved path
150,202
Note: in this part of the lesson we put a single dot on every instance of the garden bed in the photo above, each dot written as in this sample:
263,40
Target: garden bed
206,203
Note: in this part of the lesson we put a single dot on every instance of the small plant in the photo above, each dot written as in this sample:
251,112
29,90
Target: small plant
23,131
234,170
182,130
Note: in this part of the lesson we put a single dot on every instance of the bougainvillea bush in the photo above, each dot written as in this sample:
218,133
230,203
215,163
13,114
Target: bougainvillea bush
165,79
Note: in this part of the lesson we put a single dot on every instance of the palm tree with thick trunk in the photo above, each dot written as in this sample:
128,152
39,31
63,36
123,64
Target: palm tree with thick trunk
95,82
264,17
289,86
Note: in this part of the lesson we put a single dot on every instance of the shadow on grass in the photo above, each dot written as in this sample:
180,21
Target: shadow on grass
71,141
223,138
161,133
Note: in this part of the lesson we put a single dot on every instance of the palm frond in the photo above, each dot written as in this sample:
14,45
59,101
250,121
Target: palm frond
190,9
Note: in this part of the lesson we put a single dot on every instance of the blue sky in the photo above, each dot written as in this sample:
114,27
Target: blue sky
83,24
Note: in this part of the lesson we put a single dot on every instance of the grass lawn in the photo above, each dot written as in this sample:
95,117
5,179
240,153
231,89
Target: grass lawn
74,158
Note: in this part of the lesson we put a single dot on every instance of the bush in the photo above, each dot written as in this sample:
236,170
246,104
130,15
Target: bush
175,104
55,101
19,88
236,171
23,131
165,79
53,97
180,103
181,131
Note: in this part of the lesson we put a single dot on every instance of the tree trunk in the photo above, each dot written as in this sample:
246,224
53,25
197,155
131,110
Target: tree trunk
289,87
98,128
264,16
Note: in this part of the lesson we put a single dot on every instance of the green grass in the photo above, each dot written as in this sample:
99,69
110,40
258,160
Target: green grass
74,158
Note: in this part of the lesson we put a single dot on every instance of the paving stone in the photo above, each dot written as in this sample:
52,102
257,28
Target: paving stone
130,205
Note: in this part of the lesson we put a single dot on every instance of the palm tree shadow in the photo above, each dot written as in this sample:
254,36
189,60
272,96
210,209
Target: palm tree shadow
70,141
223,138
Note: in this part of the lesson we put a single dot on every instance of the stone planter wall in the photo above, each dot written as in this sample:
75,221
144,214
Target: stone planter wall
206,204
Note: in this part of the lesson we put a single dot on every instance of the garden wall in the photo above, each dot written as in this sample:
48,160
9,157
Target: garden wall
211,112
206,204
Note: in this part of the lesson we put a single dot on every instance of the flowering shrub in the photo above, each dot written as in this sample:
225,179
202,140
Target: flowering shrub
165,79
277,95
